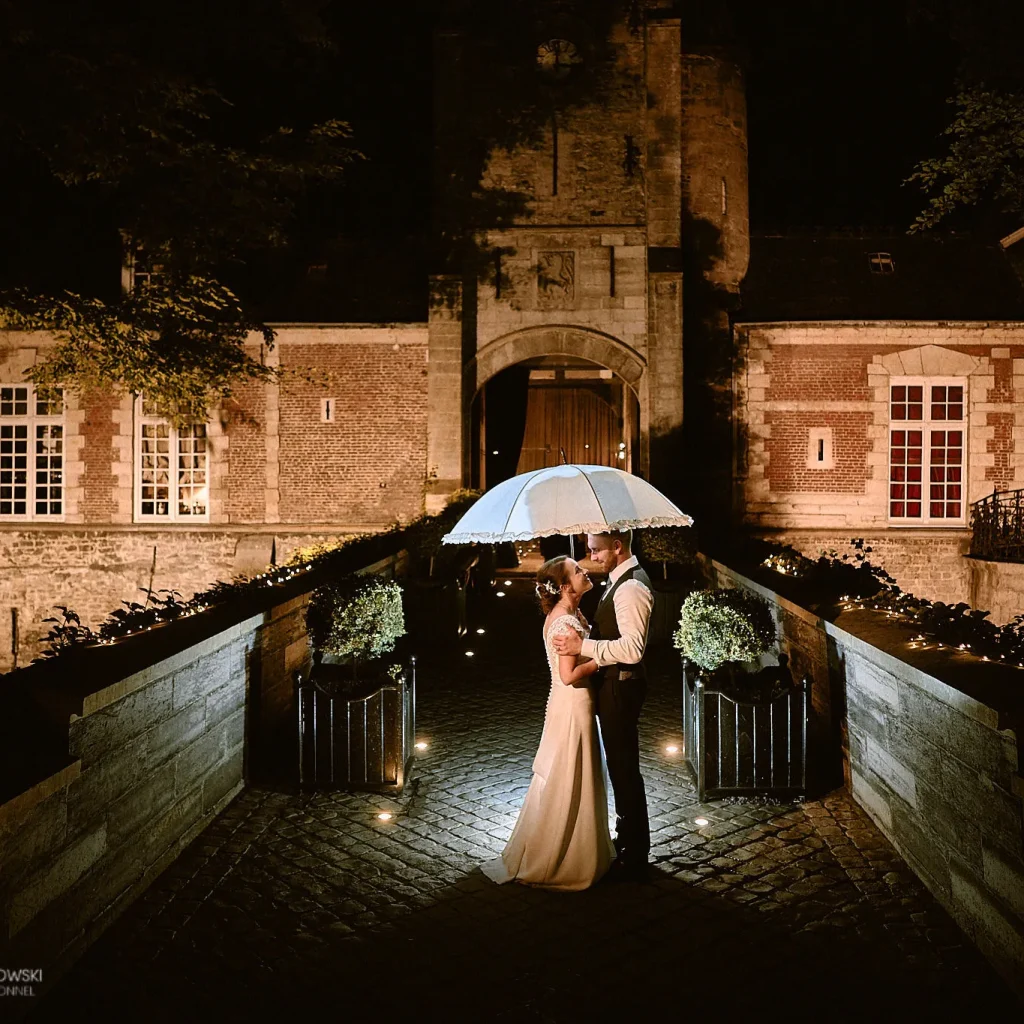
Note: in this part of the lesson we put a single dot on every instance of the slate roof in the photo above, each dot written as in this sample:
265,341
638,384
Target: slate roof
829,277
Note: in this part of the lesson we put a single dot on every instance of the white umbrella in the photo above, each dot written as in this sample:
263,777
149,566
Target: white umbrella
565,500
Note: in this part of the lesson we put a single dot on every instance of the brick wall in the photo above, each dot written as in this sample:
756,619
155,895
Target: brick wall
272,461
937,768
795,377
367,466
788,471
246,416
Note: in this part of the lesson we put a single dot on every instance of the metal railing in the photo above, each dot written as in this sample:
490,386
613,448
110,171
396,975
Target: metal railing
998,525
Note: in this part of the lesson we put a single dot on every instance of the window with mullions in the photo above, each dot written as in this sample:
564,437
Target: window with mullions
172,469
31,455
927,435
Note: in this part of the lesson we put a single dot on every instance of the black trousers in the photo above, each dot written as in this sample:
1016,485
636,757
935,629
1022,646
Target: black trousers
619,703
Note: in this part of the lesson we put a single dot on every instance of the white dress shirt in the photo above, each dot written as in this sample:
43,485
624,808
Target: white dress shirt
633,603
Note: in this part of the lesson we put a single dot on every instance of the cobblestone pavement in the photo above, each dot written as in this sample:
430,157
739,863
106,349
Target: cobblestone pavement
307,903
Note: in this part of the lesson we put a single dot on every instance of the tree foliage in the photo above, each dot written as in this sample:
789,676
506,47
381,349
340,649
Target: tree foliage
984,163
160,121
985,158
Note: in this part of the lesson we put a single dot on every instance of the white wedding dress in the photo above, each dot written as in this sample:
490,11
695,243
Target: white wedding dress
561,839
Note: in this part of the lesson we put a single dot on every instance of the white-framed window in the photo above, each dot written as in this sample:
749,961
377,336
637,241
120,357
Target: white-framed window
172,469
31,455
927,445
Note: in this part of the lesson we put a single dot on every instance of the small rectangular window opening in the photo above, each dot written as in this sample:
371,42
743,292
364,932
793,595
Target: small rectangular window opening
881,263
819,448
327,410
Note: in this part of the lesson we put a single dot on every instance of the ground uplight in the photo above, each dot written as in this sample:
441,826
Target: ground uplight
385,816
701,822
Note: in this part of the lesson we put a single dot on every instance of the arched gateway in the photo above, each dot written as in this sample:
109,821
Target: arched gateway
544,393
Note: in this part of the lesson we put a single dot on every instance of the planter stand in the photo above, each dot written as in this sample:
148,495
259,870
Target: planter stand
363,743
744,748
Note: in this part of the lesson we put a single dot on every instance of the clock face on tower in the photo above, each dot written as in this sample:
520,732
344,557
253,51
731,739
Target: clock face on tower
556,57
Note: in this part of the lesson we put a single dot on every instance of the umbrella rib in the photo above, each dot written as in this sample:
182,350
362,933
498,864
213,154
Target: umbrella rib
596,498
512,506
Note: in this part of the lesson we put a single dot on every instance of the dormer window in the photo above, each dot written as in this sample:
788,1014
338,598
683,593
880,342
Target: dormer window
881,263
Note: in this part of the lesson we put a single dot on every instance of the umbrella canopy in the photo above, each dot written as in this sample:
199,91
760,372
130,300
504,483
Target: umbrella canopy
565,500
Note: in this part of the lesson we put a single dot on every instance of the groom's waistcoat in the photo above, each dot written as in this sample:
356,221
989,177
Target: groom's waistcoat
606,625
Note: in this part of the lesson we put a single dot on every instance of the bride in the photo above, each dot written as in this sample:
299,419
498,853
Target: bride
561,838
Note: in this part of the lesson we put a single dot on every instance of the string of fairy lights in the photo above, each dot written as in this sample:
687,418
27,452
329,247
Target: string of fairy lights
957,628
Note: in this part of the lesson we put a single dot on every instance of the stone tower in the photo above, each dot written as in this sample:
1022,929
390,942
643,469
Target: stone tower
572,157
716,244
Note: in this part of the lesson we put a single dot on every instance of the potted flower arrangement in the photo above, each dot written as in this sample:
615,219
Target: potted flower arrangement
356,708
744,722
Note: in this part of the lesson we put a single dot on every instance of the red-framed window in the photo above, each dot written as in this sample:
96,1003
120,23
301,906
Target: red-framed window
927,446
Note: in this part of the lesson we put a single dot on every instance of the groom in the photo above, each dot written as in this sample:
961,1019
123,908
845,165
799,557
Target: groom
617,644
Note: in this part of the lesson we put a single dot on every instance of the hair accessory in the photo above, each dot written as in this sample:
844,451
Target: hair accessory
546,586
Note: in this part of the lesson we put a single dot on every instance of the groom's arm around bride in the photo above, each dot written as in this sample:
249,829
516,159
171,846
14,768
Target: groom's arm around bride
627,600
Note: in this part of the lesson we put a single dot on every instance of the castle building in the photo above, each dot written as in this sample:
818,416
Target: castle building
595,299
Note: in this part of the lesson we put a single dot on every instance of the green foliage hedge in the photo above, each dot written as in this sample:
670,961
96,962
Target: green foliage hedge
717,626
356,617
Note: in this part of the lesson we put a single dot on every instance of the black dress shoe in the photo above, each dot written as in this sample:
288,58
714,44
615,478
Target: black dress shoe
625,871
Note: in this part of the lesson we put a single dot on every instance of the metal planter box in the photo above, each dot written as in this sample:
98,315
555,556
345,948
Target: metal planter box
744,748
363,743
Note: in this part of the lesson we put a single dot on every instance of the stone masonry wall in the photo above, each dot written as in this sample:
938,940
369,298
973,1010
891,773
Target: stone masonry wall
996,587
926,563
92,571
157,756
936,769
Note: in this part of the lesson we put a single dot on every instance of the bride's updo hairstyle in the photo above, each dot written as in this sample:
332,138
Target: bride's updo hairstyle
551,577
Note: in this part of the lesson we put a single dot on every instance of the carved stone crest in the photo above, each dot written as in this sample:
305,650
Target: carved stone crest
556,280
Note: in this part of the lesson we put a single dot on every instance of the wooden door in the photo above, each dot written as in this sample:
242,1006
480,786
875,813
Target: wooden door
583,419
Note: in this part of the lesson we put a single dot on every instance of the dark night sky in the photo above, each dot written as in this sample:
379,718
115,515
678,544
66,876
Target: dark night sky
843,98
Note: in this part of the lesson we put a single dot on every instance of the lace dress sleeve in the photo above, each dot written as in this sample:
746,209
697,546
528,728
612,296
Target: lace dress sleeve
564,625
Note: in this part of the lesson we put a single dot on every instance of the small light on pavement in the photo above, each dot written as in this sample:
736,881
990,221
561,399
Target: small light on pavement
508,583
671,749
421,745
385,816
469,654
500,593
701,822
481,630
